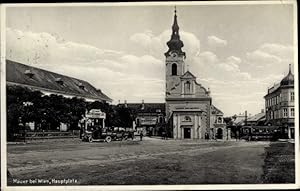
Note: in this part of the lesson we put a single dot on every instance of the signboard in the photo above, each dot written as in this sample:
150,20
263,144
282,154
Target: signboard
150,120
96,113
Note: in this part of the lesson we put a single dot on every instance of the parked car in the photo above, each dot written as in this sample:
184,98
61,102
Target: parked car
106,134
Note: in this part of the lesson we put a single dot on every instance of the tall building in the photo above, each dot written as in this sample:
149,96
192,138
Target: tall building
188,103
279,103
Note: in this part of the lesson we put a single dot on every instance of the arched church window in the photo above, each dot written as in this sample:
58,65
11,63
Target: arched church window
174,69
219,119
187,87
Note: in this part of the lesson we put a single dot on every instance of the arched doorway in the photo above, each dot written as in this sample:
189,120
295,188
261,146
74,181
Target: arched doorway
219,134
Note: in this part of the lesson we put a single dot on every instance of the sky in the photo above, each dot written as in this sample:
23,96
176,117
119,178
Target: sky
237,51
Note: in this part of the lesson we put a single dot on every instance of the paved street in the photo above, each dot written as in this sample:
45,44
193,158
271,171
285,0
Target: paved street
152,161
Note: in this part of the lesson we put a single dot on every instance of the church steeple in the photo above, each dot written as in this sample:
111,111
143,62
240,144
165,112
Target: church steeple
175,44
175,27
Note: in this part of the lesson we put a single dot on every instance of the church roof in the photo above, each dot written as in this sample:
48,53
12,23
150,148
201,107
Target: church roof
43,80
216,111
188,75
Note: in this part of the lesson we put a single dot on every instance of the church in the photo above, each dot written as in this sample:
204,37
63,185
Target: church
189,110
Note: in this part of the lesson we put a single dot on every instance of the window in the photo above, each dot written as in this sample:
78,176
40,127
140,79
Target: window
285,112
219,119
292,112
187,87
187,118
174,69
271,115
292,96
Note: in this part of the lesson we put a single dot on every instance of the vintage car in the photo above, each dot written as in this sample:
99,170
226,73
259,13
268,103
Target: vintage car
107,134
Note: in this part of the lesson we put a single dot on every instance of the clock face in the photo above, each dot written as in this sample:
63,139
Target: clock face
173,54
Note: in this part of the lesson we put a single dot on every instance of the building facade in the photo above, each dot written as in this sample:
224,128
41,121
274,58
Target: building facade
218,129
47,82
149,117
188,103
280,106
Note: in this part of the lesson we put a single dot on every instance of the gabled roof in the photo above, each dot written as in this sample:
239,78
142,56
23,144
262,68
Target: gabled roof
256,117
43,80
239,120
148,107
188,75
216,111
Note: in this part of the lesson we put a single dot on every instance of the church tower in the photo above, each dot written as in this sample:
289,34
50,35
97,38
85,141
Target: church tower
174,61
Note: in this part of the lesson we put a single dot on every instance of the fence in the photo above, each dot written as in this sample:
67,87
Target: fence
33,135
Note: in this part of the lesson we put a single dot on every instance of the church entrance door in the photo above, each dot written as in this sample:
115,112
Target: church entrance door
187,133
219,134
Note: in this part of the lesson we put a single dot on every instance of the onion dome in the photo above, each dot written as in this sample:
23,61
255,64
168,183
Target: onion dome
288,79
175,44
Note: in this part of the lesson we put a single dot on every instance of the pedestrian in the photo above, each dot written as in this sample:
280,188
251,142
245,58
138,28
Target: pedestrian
163,135
206,136
141,135
132,134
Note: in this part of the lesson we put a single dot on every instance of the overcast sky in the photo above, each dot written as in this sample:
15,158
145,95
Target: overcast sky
238,51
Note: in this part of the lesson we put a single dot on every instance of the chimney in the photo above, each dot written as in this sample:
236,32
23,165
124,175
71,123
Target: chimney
143,105
29,73
262,111
125,103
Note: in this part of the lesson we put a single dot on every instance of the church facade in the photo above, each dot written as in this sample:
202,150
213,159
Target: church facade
189,110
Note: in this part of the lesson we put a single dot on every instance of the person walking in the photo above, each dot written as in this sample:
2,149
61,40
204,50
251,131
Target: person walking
141,135
163,135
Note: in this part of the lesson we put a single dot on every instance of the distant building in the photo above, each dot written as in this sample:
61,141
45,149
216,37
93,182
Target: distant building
51,83
188,103
257,119
48,82
218,126
280,106
150,117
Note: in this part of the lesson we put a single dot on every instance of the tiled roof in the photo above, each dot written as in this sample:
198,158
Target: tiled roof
256,117
148,107
21,74
239,120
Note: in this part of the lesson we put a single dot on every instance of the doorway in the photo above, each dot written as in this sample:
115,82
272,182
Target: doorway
187,133
292,133
219,134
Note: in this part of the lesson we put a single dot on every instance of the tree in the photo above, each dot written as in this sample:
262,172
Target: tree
19,106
